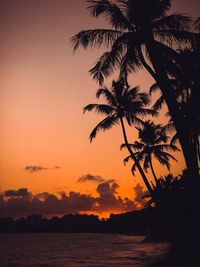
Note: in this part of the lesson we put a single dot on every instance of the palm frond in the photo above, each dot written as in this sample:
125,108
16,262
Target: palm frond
164,157
94,38
158,104
174,139
99,108
105,124
132,119
145,98
107,94
131,61
154,88
175,38
144,112
168,156
135,146
132,92
196,25
103,67
175,21
133,169
98,7
127,159
122,146
172,147
112,12
149,9
162,160
108,62
169,127
139,156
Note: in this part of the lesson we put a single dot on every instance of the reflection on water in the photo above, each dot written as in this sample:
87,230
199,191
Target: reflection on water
77,250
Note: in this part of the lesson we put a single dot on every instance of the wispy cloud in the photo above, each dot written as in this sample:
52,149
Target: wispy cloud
35,168
56,168
90,178
38,168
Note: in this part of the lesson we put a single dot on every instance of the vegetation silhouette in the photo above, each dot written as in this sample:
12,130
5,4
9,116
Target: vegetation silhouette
122,103
142,34
152,143
186,82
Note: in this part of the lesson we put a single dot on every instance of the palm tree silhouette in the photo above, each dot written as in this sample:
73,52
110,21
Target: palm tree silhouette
186,83
139,28
122,103
152,143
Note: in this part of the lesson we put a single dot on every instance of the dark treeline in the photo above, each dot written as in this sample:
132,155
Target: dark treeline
36,223
149,221
135,222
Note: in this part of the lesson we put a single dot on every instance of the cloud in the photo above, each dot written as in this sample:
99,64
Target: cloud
26,203
90,178
107,196
140,193
37,168
22,192
57,168
21,202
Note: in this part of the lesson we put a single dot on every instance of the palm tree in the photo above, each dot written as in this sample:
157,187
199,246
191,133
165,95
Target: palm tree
122,103
139,28
186,83
152,144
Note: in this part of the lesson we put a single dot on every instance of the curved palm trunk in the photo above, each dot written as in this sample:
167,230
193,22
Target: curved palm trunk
188,148
136,161
147,67
198,148
153,172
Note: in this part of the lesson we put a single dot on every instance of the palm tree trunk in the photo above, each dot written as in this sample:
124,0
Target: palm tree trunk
136,161
189,150
198,149
153,172
147,67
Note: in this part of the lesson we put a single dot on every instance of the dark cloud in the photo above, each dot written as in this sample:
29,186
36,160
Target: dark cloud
46,204
49,204
90,178
107,196
57,168
35,168
21,202
140,193
22,192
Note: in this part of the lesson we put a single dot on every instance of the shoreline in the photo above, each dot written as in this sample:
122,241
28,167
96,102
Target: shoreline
184,251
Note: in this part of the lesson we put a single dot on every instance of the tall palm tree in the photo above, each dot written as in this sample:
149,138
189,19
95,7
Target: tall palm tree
122,104
186,83
152,143
139,28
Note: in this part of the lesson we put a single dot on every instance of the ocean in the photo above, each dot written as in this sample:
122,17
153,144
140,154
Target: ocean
78,250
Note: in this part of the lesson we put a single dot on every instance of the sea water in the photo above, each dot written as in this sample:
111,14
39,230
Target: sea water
78,250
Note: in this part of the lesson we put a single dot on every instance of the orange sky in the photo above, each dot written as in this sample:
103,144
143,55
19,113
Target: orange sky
43,88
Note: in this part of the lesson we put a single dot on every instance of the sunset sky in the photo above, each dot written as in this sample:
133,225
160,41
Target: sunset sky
44,135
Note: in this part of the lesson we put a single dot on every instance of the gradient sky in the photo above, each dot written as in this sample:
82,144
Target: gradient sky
43,88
